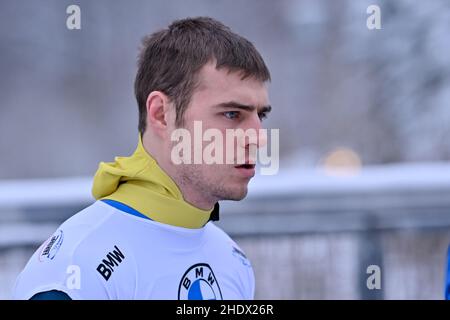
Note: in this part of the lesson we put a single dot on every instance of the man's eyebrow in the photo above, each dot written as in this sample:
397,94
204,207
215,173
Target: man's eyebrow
237,105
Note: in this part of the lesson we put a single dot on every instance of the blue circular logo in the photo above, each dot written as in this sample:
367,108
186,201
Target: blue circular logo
199,283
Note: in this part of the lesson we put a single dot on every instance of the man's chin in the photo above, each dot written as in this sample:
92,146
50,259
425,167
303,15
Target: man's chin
235,195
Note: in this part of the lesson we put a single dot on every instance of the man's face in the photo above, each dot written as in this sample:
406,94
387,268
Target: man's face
223,101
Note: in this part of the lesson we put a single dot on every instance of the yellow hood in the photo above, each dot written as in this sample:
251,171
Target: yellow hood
140,183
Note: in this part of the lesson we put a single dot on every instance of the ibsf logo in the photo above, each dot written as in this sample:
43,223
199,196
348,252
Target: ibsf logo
51,246
199,283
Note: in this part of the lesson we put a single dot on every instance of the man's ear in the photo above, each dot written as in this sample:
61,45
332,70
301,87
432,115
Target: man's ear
157,107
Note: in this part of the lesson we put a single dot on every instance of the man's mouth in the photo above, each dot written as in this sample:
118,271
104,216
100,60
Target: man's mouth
246,170
246,166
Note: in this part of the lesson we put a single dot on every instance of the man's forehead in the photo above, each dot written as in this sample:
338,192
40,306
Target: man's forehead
223,81
210,77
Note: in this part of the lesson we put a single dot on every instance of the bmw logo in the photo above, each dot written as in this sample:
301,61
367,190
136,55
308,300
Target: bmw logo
199,283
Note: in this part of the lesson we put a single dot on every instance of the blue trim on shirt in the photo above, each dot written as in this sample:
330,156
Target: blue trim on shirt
447,284
123,207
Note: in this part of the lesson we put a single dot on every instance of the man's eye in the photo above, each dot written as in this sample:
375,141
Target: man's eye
262,116
231,114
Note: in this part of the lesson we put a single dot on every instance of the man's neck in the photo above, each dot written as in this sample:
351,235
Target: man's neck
194,197
190,194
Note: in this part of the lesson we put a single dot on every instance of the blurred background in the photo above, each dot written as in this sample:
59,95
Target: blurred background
364,121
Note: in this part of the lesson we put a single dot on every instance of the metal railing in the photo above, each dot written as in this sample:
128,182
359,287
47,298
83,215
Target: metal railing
294,207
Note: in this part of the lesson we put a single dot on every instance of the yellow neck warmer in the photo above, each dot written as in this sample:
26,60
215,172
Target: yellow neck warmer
140,183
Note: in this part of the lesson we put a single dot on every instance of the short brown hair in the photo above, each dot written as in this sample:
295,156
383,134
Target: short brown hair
170,60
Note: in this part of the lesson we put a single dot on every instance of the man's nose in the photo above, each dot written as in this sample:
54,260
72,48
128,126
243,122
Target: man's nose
258,137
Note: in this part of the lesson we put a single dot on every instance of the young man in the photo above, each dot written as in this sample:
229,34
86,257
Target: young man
149,235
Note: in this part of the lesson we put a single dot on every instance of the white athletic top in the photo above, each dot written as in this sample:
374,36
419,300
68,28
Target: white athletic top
106,253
